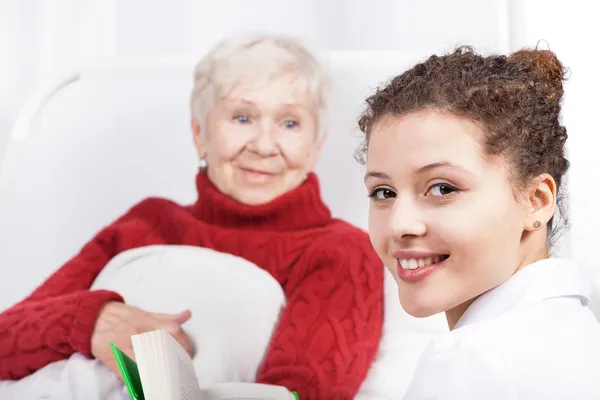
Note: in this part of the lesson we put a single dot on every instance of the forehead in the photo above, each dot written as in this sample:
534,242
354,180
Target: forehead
425,137
271,91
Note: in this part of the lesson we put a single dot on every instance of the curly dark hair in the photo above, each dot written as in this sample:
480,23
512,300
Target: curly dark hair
515,99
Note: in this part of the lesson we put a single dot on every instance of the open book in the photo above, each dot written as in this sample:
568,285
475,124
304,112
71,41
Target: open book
164,371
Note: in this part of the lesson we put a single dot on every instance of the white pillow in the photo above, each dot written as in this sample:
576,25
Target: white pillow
235,304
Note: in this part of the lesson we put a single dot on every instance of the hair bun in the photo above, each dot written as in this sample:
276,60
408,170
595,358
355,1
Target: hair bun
546,66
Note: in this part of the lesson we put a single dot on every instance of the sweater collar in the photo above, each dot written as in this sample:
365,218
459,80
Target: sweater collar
301,208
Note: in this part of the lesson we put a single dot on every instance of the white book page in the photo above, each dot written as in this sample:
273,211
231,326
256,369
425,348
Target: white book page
245,391
166,369
160,355
182,377
155,381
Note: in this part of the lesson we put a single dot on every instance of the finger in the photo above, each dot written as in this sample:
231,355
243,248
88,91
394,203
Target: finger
180,318
184,341
179,334
129,352
183,317
123,343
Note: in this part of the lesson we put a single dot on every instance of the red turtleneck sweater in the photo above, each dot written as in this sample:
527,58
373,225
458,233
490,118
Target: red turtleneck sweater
327,336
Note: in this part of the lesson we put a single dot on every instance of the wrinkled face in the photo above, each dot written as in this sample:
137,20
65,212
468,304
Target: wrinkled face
261,140
443,215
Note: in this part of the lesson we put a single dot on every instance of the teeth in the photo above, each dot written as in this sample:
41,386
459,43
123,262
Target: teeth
413,263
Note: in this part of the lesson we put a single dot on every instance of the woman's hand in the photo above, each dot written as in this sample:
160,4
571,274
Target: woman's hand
117,322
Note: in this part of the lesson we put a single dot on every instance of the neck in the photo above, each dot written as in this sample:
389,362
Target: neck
301,208
528,257
453,315
534,247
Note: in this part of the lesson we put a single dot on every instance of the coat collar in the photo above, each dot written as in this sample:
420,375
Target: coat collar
544,279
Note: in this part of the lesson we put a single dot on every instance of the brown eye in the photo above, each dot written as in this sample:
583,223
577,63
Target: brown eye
382,194
441,190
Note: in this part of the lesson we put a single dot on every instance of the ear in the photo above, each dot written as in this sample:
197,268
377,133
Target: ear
315,153
199,139
541,202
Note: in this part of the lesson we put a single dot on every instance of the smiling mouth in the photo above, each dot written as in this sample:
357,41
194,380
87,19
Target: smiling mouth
415,263
257,172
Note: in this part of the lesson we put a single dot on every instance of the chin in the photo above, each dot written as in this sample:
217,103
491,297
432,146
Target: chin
418,307
254,199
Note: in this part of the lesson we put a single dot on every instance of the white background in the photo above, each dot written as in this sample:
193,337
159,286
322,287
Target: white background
39,37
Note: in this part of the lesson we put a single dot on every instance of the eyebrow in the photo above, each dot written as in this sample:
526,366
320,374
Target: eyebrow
436,165
239,100
374,174
420,170
245,102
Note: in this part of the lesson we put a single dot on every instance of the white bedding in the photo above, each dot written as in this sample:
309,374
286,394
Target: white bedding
72,379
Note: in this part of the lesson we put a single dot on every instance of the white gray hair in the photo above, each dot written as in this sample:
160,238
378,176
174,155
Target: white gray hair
261,55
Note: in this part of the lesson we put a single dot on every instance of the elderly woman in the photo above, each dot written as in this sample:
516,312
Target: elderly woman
259,108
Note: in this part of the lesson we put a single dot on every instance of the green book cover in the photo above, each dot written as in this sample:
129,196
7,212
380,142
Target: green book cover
131,376
129,372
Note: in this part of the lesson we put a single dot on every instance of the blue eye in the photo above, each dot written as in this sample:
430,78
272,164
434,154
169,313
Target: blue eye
380,194
242,119
290,124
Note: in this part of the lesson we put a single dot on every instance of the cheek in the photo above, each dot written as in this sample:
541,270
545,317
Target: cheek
297,152
460,227
483,234
223,147
378,230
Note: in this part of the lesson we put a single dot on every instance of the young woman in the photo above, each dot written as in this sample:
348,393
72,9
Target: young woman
465,164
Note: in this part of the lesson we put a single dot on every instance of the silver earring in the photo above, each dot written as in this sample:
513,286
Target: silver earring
202,163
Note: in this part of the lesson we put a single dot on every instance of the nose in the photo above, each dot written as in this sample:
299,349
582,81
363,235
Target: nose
406,219
264,142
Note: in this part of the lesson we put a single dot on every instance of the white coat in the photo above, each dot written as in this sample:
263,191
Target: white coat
533,337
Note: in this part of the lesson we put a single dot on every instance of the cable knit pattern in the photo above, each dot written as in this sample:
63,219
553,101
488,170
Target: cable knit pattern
327,336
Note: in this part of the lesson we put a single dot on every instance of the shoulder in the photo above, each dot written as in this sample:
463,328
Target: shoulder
340,236
155,205
154,209
151,216
453,367
151,221
340,230
550,326
343,245
517,348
